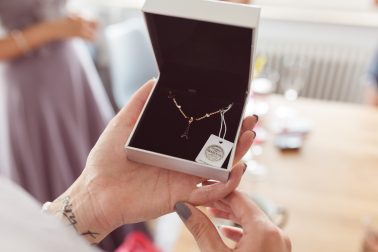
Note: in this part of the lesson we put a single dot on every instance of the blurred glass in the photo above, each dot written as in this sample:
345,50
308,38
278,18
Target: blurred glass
264,85
294,75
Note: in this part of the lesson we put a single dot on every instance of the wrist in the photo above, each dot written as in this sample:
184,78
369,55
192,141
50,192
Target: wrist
75,208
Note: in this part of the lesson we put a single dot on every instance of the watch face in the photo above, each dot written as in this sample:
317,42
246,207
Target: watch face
214,153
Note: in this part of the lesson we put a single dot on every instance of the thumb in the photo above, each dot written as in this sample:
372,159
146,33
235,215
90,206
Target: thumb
129,114
203,230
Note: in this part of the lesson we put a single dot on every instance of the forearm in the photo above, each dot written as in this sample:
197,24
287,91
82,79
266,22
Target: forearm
75,208
18,43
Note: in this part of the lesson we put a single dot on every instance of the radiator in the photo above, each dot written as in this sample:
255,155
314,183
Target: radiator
335,71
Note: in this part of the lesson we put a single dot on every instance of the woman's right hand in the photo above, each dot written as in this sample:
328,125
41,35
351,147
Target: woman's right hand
258,233
74,26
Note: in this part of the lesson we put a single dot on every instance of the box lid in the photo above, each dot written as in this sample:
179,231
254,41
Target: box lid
207,10
202,35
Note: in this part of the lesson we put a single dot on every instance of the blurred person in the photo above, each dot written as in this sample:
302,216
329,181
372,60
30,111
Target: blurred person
372,79
108,194
55,104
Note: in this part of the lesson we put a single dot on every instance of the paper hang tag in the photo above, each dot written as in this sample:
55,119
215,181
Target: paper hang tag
215,151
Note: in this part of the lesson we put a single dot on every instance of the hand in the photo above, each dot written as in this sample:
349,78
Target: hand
113,191
259,234
370,243
74,26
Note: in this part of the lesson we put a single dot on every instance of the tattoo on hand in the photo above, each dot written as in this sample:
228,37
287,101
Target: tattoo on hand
68,213
91,234
70,216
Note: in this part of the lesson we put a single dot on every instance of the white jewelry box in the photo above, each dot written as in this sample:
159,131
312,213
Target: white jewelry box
205,53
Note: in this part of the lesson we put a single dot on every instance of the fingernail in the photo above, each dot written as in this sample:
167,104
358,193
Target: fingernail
183,211
254,132
257,117
245,167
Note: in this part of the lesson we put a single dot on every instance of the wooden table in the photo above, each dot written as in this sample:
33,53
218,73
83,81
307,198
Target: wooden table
330,186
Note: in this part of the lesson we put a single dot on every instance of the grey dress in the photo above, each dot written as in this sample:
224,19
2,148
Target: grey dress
53,105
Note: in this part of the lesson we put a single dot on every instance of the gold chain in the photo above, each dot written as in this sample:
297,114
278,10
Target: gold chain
191,119
194,118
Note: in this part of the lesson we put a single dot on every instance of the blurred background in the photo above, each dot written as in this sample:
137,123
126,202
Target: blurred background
314,165
337,39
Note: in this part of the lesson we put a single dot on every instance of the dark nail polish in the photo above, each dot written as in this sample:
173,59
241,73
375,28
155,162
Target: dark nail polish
257,117
183,211
245,168
254,132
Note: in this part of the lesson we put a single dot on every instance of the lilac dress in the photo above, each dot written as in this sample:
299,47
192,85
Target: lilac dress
53,107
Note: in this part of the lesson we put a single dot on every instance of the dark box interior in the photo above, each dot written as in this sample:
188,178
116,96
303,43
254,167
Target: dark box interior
206,66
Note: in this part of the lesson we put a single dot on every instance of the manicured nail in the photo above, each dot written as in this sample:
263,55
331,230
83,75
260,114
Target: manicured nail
257,117
183,211
245,167
254,132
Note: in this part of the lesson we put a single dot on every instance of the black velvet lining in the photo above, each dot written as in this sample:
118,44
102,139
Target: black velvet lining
207,67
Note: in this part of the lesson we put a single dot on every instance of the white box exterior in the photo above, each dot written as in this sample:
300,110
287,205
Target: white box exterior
226,13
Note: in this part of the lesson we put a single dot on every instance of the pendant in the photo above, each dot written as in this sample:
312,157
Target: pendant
186,132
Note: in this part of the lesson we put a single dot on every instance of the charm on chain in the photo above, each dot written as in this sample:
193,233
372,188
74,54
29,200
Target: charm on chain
192,119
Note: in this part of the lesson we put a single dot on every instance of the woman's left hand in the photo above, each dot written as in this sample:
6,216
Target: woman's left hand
258,232
113,190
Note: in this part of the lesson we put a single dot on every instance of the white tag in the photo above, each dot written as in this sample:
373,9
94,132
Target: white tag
215,151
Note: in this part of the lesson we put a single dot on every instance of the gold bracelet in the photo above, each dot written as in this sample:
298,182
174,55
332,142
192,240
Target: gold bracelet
20,40
192,119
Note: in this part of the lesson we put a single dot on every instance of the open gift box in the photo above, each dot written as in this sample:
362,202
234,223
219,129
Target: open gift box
191,121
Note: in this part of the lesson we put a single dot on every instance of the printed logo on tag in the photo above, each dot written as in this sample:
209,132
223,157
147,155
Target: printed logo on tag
215,151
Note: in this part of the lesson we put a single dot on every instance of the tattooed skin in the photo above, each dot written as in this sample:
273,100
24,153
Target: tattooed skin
68,213
71,218
91,234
